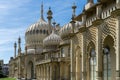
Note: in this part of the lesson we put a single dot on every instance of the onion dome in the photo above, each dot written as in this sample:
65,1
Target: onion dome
89,4
52,41
67,29
37,32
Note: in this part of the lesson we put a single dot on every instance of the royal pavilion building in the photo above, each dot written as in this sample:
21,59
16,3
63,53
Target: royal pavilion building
86,48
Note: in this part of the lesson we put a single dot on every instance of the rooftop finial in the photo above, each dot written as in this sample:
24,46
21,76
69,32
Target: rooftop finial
89,1
74,9
42,11
54,24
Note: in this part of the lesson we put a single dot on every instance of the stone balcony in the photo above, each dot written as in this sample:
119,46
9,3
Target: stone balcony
53,59
64,59
44,61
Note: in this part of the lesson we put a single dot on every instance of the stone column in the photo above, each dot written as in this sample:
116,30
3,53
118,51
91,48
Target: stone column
19,69
118,4
72,60
98,11
51,72
98,54
47,72
77,66
61,70
43,72
83,57
40,72
118,48
26,63
35,64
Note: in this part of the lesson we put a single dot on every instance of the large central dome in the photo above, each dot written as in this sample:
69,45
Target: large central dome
36,33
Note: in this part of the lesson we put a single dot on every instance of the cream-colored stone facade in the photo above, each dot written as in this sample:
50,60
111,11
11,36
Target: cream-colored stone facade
89,48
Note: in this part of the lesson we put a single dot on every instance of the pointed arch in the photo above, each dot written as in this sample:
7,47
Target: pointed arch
91,61
109,58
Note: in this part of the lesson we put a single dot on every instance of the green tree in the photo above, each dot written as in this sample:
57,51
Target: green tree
1,73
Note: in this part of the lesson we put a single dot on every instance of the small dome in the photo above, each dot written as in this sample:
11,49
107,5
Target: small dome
52,39
67,29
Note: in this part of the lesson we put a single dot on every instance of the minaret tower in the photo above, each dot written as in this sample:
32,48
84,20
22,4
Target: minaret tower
49,17
15,47
74,10
42,12
19,46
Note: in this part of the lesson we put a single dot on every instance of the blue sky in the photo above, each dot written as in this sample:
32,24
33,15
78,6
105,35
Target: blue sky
17,15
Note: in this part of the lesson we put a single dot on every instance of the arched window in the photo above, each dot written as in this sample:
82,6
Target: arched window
92,65
62,52
44,31
37,31
40,31
33,31
47,32
106,64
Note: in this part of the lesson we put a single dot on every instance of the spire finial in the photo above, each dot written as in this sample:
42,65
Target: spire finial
42,11
54,23
15,45
74,9
89,1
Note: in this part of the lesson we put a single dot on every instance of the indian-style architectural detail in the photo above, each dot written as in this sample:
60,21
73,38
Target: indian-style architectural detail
86,48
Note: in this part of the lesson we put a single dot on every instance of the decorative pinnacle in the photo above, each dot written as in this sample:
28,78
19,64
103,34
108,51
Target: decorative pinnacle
19,40
74,9
54,23
49,13
42,11
15,44
74,6
89,1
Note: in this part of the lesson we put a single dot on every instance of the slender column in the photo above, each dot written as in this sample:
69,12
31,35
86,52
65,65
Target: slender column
77,66
51,72
83,58
43,72
40,73
35,63
118,4
83,19
26,63
98,55
19,69
47,72
118,48
99,10
72,60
